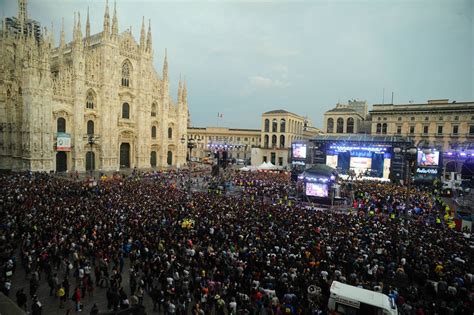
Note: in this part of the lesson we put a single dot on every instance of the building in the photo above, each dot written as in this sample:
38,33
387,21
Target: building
239,141
436,124
279,129
350,118
93,103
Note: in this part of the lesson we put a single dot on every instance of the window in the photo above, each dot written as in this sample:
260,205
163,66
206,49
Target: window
170,133
274,125
425,130
455,130
440,117
169,158
340,125
456,117
153,132
267,125
412,118
384,128
350,125
61,124
385,118
90,127
280,161
126,73
399,130
246,139
379,128
265,141
412,130
399,118
330,126
238,138
378,118
440,130
272,158
282,125
471,130
90,100
125,111
274,141
153,110
264,159
282,141
427,118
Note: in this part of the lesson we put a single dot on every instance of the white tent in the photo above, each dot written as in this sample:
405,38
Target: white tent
267,166
244,169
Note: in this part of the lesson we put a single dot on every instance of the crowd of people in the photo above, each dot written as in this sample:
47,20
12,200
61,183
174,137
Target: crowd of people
225,254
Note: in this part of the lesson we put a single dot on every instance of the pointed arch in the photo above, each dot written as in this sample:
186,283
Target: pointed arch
126,72
90,99
154,108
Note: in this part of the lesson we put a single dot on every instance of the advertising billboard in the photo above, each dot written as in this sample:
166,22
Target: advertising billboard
299,150
63,142
316,190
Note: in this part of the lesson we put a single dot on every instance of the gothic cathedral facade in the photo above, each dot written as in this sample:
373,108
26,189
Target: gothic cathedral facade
93,103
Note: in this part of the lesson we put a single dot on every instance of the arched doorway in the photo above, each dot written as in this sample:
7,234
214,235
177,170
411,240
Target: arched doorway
153,159
61,161
125,155
90,161
169,159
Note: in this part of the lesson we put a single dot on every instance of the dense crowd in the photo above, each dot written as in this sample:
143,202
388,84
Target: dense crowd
223,253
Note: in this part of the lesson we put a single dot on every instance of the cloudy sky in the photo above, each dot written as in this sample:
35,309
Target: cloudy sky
242,58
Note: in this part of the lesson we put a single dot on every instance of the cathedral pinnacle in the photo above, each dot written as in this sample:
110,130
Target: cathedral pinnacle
115,23
106,31
185,93
61,39
180,91
142,35
149,47
165,67
88,25
79,27
22,12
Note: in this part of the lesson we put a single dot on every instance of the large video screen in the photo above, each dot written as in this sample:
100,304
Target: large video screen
361,162
316,190
299,150
428,159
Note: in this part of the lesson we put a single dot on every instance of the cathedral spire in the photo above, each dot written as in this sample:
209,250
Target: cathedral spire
88,25
115,23
22,12
74,28
180,91
165,67
149,47
185,93
61,38
79,27
106,30
51,36
142,35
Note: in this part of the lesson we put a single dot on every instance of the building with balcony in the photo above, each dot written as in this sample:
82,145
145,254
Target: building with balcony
437,124
350,118
238,141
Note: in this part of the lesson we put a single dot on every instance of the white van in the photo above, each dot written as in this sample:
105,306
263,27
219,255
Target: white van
351,300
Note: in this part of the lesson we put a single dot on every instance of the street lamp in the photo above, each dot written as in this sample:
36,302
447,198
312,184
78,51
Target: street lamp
91,141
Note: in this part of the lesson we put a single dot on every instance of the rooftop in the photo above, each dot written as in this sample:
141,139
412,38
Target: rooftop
360,138
279,111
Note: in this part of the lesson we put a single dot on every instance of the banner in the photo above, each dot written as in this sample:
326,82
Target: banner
63,142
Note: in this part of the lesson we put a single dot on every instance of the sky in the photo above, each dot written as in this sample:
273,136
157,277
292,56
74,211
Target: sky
242,58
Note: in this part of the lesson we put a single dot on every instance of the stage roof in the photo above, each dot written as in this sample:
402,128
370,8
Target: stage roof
321,169
360,138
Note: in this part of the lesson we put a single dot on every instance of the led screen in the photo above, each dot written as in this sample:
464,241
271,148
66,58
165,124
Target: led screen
361,162
428,159
316,190
299,151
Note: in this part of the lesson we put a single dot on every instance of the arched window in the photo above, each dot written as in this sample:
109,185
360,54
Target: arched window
125,111
274,141
265,141
379,128
267,125
90,127
282,125
384,128
126,73
170,133
169,158
350,125
274,125
330,127
282,141
153,159
153,132
153,110
90,100
61,125
340,125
